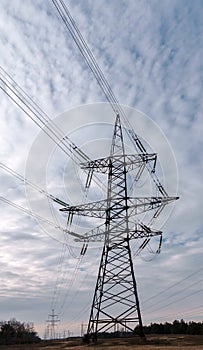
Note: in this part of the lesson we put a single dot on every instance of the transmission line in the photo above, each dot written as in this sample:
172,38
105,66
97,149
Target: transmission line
26,181
30,213
177,300
43,121
192,312
34,112
63,284
58,274
174,294
90,60
69,284
173,285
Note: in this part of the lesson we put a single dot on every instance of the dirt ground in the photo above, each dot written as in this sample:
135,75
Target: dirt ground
168,342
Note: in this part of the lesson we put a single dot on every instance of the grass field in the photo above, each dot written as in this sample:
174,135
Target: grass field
170,342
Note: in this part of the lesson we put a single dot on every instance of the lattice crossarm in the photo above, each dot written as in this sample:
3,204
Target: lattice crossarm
143,231
100,234
100,165
97,234
93,209
98,209
130,161
139,205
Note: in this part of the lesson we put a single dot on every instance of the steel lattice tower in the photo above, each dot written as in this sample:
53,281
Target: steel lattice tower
115,299
115,302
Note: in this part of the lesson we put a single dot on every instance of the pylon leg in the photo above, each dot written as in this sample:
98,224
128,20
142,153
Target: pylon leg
115,303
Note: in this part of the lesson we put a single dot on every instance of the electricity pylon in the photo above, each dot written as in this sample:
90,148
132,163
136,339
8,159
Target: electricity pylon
52,322
115,302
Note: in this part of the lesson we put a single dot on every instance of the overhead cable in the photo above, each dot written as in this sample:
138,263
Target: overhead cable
90,60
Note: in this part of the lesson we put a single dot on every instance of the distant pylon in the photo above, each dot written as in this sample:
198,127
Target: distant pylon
52,322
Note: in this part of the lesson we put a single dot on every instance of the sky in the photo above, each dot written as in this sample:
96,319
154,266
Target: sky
151,54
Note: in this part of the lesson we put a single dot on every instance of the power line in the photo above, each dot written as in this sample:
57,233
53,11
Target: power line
70,284
26,181
175,293
180,314
173,285
43,121
90,60
34,215
177,300
56,292
34,112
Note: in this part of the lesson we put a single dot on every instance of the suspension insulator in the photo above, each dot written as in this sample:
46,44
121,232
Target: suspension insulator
89,178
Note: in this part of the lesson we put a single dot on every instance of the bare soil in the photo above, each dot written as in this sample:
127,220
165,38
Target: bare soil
168,342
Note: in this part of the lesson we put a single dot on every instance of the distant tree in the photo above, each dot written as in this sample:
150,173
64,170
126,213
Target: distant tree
7,334
154,328
195,328
15,332
167,328
177,327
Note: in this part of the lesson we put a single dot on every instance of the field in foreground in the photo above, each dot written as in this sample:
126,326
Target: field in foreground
170,342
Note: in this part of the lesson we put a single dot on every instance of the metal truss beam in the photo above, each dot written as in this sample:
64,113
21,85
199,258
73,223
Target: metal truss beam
136,205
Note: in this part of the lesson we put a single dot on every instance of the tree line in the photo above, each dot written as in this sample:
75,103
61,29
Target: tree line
15,332
176,327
